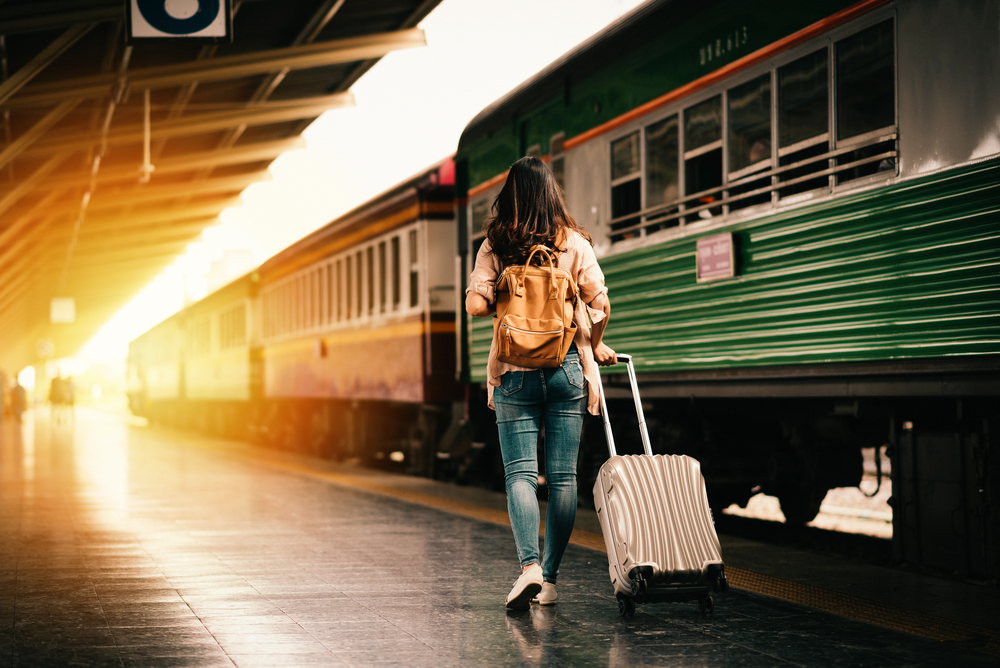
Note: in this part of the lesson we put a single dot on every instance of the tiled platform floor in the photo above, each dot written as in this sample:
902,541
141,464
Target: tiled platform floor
128,546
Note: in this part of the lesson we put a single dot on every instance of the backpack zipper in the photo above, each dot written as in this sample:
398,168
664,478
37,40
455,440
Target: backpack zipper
507,338
528,331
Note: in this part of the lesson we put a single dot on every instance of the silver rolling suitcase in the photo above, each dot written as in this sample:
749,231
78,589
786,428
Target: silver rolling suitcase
657,524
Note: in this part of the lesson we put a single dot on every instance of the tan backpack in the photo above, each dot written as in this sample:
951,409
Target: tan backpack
533,326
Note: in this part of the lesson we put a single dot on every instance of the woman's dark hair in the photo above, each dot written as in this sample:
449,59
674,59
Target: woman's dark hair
530,210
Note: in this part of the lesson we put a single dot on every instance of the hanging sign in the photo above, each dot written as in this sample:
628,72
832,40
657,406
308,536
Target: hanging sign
62,311
180,19
715,258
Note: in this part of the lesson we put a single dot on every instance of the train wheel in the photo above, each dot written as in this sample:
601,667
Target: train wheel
318,435
801,504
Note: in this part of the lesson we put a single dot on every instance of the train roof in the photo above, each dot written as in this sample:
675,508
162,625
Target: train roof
661,52
435,182
623,35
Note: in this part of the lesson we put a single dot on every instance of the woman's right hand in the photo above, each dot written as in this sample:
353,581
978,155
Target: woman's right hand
604,356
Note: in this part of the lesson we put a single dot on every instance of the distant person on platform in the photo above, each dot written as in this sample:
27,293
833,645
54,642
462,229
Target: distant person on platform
56,397
69,396
18,401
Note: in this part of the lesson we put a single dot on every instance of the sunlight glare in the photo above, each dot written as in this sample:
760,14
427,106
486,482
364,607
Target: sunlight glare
411,109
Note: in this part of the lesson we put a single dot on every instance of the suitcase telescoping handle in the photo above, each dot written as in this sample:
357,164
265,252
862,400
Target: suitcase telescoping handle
638,408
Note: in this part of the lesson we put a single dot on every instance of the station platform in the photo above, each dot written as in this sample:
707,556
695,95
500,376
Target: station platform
125,545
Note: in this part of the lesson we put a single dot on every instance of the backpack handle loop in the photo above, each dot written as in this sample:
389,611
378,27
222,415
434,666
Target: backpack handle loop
546,254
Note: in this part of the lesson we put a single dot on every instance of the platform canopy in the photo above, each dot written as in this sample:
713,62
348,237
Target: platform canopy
80,217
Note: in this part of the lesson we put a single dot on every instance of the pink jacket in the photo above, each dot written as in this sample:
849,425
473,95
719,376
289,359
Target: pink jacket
579,259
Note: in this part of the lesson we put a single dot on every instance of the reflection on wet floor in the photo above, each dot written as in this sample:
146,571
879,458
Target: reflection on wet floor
129,546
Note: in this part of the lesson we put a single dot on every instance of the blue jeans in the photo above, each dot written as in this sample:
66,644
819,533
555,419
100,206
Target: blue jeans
526,400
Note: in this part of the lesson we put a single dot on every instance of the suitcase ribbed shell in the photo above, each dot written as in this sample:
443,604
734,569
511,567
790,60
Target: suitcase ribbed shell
654,512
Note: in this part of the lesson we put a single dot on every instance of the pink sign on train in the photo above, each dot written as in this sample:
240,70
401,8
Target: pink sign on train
715,258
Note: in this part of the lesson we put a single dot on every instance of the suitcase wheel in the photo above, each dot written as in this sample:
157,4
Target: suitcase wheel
626,607
706,605
640,576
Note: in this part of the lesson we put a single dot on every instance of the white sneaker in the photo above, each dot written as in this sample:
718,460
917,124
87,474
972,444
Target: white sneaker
525,588
547,596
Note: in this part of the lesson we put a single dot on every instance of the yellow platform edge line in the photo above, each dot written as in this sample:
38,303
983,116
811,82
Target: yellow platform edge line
848,606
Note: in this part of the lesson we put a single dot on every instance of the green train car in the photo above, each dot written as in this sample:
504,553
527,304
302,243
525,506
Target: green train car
797,209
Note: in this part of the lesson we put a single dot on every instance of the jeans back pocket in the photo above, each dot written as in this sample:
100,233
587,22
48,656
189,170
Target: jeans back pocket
574,371
511,382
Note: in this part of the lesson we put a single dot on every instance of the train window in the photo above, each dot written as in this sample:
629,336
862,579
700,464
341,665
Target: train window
232,327
300,310
305,303
414,270
308,298
804,122
200,336
703,154
370,257
480,213
317,294
290,293
289,307
316,276
286,306
240,325
661,170
626,185
338,278
265,308
748,118
293,305
556,160
558,166
359,283
865,82
381,277
477,243
866,101
328,288
395,273
349,288
318,301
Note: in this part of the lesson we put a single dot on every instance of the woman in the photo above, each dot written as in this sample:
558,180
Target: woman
530,210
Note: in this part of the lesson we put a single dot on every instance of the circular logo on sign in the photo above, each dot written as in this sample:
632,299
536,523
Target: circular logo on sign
179,17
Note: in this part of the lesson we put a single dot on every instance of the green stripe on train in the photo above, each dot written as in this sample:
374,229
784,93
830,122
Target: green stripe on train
908,271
